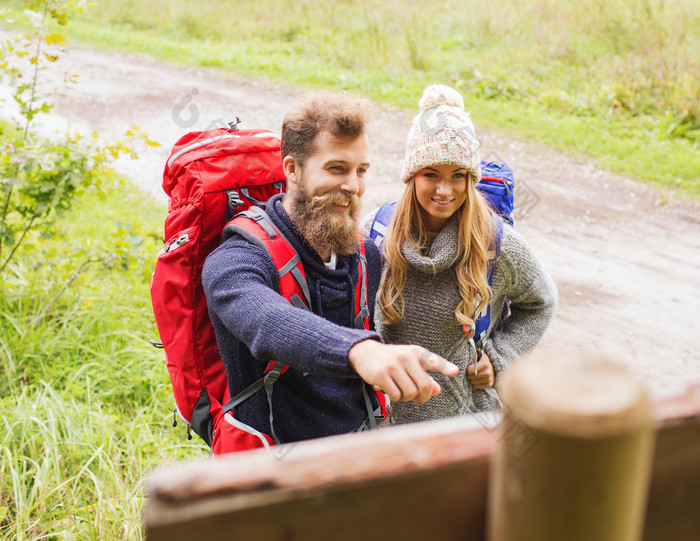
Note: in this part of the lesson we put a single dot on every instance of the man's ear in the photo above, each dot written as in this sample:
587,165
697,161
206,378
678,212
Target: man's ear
291,170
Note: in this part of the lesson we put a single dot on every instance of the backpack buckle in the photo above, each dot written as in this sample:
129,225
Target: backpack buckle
360,317
272,376
233,202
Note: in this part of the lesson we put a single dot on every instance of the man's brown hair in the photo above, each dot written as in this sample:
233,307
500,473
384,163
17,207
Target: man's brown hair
338,113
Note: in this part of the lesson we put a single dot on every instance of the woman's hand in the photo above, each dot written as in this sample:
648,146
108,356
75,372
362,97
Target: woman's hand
485,376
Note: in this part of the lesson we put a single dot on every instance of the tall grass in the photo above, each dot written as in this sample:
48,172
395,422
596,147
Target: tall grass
618,80
86,402
607,56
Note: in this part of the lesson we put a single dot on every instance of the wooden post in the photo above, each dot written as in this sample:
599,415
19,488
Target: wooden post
582,470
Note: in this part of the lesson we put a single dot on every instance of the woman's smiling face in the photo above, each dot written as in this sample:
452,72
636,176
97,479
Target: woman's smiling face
440,191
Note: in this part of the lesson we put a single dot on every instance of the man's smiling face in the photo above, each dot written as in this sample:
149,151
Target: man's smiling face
325,203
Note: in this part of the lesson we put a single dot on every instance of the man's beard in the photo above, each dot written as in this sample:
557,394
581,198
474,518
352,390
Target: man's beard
325,229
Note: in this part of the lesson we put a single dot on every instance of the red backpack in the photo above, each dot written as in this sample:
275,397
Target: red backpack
209,177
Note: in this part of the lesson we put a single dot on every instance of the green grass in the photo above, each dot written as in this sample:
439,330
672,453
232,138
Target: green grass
618,81
86,401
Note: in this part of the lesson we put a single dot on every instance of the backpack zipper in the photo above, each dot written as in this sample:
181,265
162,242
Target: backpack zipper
497,180
200,144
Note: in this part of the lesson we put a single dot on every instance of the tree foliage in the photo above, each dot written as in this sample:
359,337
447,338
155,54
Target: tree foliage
40,179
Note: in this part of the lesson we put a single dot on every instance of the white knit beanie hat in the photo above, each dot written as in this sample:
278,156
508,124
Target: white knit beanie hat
442,133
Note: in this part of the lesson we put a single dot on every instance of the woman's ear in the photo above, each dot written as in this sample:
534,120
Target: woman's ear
291,170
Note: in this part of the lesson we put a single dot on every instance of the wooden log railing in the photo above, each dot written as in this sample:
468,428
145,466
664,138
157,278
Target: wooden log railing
421,481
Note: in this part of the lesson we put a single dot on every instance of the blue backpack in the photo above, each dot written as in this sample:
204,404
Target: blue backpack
496,185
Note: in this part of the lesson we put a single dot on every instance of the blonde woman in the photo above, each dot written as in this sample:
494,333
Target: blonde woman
437,251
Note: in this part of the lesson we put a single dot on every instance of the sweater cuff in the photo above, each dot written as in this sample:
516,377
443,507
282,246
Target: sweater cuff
372,336
497,361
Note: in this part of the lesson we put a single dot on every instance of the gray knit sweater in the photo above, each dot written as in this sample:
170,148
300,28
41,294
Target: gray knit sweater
431,295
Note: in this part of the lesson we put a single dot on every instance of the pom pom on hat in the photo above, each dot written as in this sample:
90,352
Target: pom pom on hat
442,133
437,95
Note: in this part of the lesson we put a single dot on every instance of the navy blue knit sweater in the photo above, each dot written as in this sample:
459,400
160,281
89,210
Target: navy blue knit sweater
320,394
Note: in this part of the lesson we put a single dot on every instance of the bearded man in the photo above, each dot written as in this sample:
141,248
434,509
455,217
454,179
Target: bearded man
334,363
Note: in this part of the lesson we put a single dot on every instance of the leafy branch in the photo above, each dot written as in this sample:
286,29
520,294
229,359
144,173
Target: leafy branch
39,179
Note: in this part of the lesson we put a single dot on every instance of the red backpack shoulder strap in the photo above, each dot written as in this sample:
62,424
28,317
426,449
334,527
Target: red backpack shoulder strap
361,309
257,227
362,322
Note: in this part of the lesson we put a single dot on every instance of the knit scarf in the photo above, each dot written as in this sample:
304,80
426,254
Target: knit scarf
442,253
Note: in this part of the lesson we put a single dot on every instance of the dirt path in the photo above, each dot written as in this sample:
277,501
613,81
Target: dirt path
625,262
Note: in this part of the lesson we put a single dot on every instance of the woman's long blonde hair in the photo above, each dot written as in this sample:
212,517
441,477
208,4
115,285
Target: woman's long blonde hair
476,240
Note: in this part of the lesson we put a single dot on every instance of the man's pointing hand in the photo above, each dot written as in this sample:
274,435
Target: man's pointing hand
399,371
